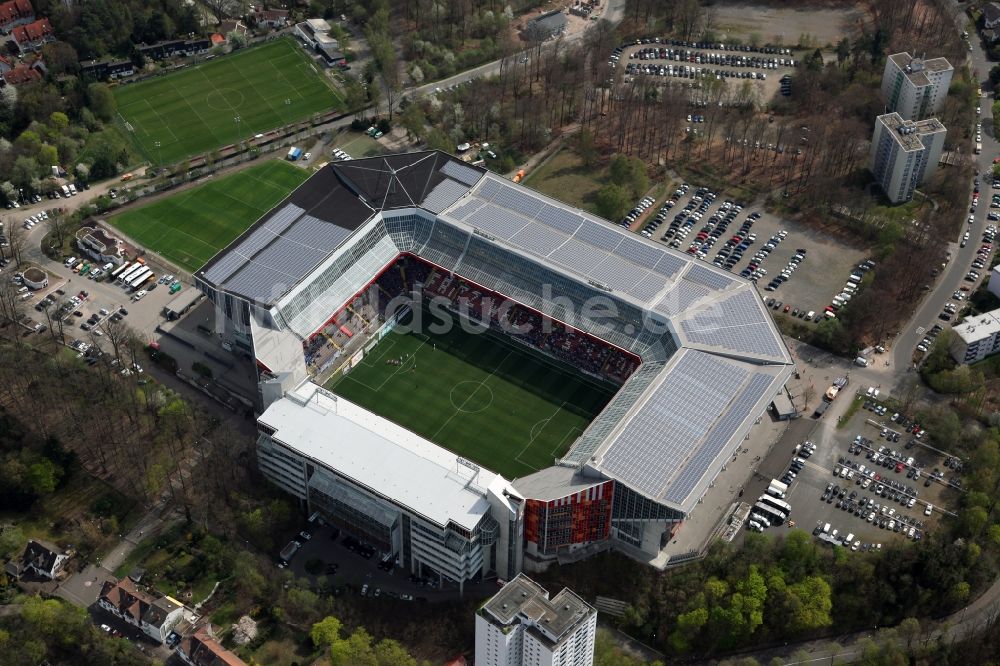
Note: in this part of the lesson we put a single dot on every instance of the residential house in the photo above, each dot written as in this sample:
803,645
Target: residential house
228,27
14,14
103,70
271,18
40,558
991,15
21,74
156,617
202,649
30,37
175,47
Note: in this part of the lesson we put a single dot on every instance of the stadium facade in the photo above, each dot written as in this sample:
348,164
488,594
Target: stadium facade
709,361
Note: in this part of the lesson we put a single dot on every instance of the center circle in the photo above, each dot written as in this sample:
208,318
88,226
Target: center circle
224,99
471,397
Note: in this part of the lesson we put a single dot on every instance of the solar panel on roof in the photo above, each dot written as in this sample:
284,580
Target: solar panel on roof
680,298
721,434
559,218
638,252
461,173
708,277
489,189
617,274
497,221
669,264
538,238
735,323
253,243
516,199
578,256
648,287
598,234
468,208
443,195
670,429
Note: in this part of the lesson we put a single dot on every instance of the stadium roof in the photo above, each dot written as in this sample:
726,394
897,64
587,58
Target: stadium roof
669,429
379,455
275,254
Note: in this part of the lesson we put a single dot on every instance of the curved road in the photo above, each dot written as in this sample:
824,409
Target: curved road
959,264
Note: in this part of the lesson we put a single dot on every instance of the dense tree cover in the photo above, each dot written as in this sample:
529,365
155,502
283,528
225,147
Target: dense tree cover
53,631
30,467
100,27
358,647
63,123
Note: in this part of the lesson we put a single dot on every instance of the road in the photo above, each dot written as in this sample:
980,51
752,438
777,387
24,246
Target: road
952,276
614,12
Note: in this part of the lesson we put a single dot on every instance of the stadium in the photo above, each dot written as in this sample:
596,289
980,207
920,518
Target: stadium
444,308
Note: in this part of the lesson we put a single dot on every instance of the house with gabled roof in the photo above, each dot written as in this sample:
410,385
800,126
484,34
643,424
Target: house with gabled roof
155,616
40,558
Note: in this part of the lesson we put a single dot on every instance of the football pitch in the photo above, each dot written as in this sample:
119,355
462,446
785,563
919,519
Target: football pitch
508,409
190,227
195,110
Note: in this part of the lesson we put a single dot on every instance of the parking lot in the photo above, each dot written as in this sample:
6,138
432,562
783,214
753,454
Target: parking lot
735,236
874,479
676,60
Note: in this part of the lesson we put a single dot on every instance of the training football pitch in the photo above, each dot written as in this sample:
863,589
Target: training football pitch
190,227
508,409
195,110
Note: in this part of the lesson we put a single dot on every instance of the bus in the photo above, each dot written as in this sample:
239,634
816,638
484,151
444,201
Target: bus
772,514
143,281
125,276
140,277
121,269
780,505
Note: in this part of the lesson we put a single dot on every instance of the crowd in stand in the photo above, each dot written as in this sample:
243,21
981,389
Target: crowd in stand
483,306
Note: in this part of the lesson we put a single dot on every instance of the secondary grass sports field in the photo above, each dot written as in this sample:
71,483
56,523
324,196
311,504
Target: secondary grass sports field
190,227
508,409
194,110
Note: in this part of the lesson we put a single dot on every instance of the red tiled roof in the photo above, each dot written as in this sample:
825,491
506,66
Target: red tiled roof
127,598
15,9
202,649
32,32
218,39
22,74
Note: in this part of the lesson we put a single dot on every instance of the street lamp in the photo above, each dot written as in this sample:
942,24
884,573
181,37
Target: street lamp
159,155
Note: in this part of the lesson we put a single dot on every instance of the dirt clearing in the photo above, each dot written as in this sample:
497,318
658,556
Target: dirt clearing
780,25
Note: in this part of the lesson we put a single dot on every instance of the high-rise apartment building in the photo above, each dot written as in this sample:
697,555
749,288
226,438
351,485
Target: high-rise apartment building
913,87
521,626
904,153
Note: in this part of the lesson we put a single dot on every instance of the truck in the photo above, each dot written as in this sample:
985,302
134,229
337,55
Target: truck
979,148
838,384
777,489
294,153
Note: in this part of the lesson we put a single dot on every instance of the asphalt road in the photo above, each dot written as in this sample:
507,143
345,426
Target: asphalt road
952,276
614,12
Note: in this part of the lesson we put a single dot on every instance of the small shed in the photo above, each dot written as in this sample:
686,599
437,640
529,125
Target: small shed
783,407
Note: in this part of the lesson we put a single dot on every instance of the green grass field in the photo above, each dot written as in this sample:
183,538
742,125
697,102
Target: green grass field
505,408
194,110
190,227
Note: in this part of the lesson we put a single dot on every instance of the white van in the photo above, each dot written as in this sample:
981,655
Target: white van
849,539
69,262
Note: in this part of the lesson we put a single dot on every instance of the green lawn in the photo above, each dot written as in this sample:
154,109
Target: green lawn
565,177
508,409
190,227
193,110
